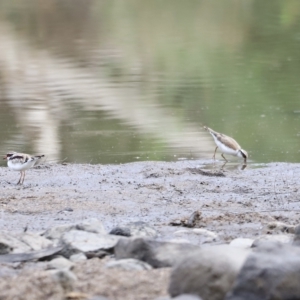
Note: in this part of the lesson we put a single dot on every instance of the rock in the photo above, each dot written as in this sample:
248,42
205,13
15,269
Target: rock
65,278
98,298
8,271
9,243
278,238
242,243
81,241
209,272
187,297
191,221
128,264
271,272
181,297
90,225
55,233
135,229
157,254
60,263
78,257
278,227
297,235
33,255
122,231
201,234
35,241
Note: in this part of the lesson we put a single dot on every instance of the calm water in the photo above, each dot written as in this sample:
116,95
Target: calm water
120,81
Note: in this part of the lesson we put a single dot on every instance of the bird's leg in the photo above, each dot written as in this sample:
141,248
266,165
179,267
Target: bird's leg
23,176
244,167
19,182
224,157
222,168
214,157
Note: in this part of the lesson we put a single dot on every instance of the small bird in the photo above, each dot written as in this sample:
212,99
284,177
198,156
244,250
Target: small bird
227,145
21,162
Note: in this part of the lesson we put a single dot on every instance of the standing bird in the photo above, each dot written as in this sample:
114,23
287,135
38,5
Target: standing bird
227,145
21,162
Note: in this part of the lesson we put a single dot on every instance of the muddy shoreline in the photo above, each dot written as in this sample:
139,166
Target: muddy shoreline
240,202
232,203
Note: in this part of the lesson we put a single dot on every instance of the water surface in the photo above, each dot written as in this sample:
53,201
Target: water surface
121,81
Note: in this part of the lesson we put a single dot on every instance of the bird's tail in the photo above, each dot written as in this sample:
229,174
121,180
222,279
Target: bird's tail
37,159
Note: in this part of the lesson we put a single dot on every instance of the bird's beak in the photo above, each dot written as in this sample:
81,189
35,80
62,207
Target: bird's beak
5,157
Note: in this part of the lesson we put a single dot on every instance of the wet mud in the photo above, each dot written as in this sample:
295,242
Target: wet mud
232,202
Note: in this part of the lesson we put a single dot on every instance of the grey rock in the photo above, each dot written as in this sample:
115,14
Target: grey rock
55,233
297,236
200,234
208,273
242,243
65,278
81,241
33,255
157,254
35,241
122,231
128,264
271,272
60,263
98,298
187,297
10,243
7,271
278,228
90,225
135,229
181,297
78,257
277,238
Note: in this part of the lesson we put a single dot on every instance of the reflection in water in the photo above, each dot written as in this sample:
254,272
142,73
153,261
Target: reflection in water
116,81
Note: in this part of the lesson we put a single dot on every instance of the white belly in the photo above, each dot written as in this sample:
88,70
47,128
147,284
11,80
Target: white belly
17,166
226,150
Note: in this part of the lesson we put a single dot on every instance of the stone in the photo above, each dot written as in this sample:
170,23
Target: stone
200,234
271,272
187,297
242,243
156,253
129,264
135,229
65,278
55,233
89,225
278,238
297,236
92,225
98,298
208,273
60,263
10,243
29,256
181,297
78,257
278,228
81,241
35,241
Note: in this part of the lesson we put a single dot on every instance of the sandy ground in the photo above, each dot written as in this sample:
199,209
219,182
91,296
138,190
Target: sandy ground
233,203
